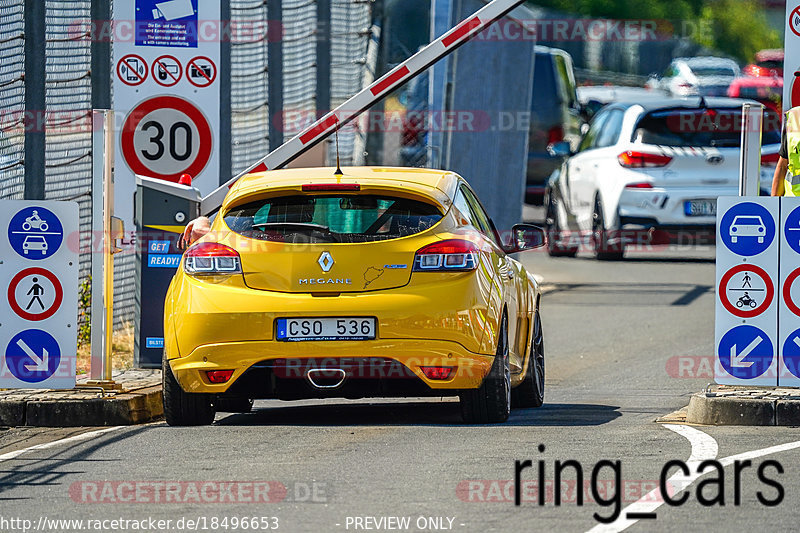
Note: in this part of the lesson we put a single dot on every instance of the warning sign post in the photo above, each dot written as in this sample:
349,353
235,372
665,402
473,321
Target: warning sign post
747,274
39,280
162,80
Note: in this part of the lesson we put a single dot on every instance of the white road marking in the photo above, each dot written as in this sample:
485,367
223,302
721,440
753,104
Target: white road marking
704,447
727,461
68,440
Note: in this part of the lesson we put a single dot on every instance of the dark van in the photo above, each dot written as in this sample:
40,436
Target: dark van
555,117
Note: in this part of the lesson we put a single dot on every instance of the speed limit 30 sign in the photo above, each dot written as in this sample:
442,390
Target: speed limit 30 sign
166,136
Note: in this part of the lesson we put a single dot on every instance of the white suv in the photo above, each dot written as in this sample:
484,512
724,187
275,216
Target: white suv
651,171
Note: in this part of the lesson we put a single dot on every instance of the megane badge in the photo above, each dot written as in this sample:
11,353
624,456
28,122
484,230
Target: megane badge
715,159
325,261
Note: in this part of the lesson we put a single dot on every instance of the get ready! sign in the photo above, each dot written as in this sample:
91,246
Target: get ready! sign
166,92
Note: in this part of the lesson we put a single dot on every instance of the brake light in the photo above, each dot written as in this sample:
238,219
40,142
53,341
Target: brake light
437,372
454,255
212,258
770,159
219,376
331,187
632,159
639,185
555,135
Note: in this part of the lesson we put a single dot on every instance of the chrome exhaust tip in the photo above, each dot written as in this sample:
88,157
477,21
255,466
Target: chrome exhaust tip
315,376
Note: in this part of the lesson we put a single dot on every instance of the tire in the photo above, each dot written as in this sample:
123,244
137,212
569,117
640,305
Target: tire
554,247
43,226
491,402
184,408
604,251
530,393
26,226
233,405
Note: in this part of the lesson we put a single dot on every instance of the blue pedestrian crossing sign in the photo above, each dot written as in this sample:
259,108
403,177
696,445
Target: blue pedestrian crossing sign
35,233
747,229
745,352
32,355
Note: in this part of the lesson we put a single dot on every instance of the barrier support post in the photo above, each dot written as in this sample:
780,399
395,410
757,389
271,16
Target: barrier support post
106,229
750,159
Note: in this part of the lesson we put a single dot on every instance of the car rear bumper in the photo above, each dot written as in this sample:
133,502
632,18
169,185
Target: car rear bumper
273,369
649,231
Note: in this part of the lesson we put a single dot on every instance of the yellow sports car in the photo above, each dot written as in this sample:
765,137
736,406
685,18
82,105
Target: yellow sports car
378,282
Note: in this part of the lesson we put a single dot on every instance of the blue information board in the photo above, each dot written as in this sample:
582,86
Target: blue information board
166,23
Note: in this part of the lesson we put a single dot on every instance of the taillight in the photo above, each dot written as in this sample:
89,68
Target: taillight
219,376
770,159
639,185
454,255
212,258
555,135
437,372
632,159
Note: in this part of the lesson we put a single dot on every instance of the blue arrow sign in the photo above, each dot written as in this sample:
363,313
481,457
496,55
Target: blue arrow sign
791,353
35,233
747,229
745,352
33,355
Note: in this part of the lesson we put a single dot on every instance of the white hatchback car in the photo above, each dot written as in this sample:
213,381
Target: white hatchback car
651,172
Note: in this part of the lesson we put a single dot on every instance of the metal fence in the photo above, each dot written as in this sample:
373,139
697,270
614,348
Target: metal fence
68,96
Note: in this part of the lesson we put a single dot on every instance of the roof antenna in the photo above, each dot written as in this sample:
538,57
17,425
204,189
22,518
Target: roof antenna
703,104
336,134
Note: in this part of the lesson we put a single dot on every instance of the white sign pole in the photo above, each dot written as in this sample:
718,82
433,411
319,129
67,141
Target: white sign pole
98,325
750,156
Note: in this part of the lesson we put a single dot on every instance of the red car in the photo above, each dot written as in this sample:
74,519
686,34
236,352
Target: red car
768,91
767,63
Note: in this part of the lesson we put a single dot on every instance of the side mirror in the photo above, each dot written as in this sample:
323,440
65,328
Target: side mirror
525,237
559,149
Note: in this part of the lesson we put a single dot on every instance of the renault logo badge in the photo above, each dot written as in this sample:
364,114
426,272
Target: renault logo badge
325,261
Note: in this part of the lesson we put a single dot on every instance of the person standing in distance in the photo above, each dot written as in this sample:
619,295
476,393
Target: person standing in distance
786,181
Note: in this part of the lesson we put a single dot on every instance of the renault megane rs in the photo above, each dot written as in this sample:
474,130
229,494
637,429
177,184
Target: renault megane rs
381,282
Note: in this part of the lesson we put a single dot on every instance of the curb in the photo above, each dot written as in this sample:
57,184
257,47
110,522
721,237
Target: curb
137,407
715,410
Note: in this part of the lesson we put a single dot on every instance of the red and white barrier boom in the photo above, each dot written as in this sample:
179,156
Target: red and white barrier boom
360,102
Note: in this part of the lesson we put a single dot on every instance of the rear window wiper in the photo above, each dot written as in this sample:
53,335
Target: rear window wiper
298,225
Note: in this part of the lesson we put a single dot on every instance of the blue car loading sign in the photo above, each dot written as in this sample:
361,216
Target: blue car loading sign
39,247
748,291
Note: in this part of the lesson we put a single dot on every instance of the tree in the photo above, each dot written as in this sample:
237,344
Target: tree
734,27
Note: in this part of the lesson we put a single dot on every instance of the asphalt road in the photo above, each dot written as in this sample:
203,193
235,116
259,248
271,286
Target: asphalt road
615,334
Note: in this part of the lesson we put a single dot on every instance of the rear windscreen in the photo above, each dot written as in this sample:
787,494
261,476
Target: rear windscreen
713,71
345,218
721,128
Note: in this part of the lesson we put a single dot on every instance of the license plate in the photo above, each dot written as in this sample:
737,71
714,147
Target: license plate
700,208
325,329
